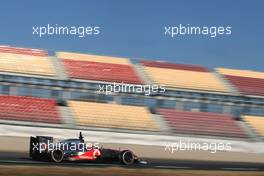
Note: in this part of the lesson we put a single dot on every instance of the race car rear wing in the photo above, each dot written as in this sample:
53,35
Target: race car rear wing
36,148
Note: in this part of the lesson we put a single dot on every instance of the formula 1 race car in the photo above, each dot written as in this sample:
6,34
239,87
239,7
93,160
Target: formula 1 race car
43,148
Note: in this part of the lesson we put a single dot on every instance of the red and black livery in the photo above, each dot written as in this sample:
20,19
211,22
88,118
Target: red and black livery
40,150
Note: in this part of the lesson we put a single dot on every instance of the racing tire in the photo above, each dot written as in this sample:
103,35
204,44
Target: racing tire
127,157
57,156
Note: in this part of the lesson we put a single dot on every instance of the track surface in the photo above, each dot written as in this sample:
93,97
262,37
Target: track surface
7,158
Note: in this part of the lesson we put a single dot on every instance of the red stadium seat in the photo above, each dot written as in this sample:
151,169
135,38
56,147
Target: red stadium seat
101,71
174,66
247,85
25,51
203,123
28,109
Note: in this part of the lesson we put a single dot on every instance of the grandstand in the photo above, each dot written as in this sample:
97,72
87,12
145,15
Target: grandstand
29,109
246,81
113,115
23,51
202,123
256,122
25,61
182,76
99,68
37,88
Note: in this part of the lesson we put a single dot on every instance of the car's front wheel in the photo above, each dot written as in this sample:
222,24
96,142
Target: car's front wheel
57,156
127,157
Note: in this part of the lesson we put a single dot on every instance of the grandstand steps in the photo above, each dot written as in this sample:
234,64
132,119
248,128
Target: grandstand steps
250,131
60,72
256,123
67,116
257,136
138,68
164,128
232,88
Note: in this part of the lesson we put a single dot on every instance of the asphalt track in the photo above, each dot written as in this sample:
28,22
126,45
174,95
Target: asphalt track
8,158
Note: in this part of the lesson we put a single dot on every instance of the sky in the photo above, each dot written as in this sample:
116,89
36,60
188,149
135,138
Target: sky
135,29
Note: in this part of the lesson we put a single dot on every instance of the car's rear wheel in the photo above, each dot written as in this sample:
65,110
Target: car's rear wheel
57,156
127,157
